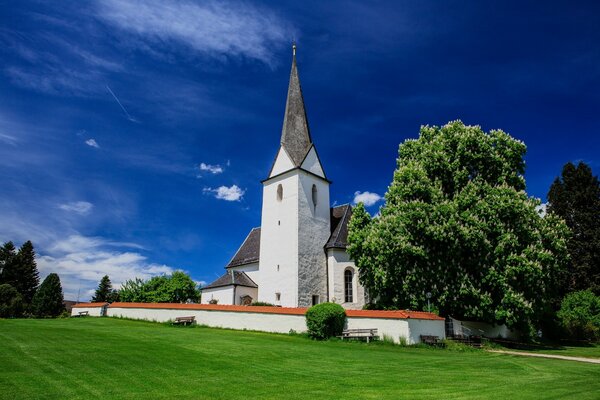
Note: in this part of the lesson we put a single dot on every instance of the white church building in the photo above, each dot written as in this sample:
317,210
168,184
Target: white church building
297,257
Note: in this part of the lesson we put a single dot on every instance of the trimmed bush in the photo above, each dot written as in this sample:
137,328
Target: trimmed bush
325,320
262,304
579,314
11,302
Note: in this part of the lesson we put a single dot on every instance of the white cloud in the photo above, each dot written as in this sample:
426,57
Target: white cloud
233,193
213,169
215,28
82,261
367,198
92,143
8,139
79,207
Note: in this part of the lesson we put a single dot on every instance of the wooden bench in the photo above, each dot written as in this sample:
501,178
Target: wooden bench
360,334
184,320
431,340
82,314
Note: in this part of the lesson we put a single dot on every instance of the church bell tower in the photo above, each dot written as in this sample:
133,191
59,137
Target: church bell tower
295,213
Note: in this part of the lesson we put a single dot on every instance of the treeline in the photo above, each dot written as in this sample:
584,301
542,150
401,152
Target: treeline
21,295
175,288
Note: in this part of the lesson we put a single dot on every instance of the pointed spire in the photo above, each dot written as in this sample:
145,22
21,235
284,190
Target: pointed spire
295,135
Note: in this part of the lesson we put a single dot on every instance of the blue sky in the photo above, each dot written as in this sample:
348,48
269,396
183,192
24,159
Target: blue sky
134,134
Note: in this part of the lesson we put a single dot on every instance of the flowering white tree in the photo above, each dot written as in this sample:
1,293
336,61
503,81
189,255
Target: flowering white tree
457,224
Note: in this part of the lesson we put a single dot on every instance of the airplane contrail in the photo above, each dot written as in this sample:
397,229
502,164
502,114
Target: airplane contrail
129,117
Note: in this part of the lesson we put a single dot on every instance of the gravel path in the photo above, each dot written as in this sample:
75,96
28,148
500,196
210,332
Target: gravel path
559,357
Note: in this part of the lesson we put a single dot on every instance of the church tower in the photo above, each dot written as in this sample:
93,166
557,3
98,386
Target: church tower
295,213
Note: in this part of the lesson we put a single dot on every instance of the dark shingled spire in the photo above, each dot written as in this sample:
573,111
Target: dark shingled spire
295,135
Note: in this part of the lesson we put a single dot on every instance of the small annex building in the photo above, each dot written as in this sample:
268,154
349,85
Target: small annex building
297,257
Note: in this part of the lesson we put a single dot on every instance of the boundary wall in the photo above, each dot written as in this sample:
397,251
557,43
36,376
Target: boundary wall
393,324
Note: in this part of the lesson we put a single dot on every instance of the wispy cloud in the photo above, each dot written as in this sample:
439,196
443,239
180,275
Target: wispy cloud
214,28
232,193
367,198
213,169
79,207
92,143
8,139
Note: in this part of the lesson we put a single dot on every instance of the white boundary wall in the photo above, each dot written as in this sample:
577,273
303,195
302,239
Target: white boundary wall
93,311
395,328
279,323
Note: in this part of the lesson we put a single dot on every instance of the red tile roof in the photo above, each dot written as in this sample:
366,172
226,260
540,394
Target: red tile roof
400,314
88,305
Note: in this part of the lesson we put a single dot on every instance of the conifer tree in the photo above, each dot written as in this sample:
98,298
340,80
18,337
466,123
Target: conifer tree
575,197
8,255
104,291
28,278
48,300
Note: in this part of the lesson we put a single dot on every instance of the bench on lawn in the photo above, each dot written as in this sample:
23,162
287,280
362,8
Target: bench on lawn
431,340
184,320
82,314
360,334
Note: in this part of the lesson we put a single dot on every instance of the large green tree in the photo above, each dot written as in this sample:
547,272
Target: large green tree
28,276
575,197
11,302
457,224
105,291
8,258
48,300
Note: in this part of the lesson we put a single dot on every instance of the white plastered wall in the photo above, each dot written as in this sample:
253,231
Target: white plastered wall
338,261
311,163
428,327
92,311
282,163
241,291
278,272
313,233
223,295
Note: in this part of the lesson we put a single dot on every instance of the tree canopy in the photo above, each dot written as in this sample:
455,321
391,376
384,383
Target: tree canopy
458,224
575,197
105,291
48,300
175,288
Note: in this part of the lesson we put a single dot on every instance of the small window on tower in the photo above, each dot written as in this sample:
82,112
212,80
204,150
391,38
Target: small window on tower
315,299
279,192
314,195
277,296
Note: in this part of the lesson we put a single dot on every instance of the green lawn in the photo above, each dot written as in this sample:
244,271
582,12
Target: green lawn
91,358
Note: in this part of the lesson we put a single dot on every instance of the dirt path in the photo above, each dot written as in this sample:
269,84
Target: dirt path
559,357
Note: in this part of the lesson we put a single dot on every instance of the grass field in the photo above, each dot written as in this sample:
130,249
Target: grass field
580,350
92,358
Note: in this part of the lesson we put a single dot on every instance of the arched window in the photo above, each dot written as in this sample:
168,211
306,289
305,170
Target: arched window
348,295
279,192
314,195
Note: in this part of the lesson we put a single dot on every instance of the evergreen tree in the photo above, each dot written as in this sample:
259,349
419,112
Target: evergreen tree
48,300
11,303
8,270
104,291
575,197
458,224
28,276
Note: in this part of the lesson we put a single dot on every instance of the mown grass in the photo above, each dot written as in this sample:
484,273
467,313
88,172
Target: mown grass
588,350
90,358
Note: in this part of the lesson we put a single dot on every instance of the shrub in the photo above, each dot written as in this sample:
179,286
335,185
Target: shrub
11,302
263,304
325,320
579,314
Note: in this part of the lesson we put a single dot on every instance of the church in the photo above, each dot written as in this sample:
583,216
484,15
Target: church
297,257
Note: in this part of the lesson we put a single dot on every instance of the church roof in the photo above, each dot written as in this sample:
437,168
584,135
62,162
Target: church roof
295,135
238,278
249,251
340,217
